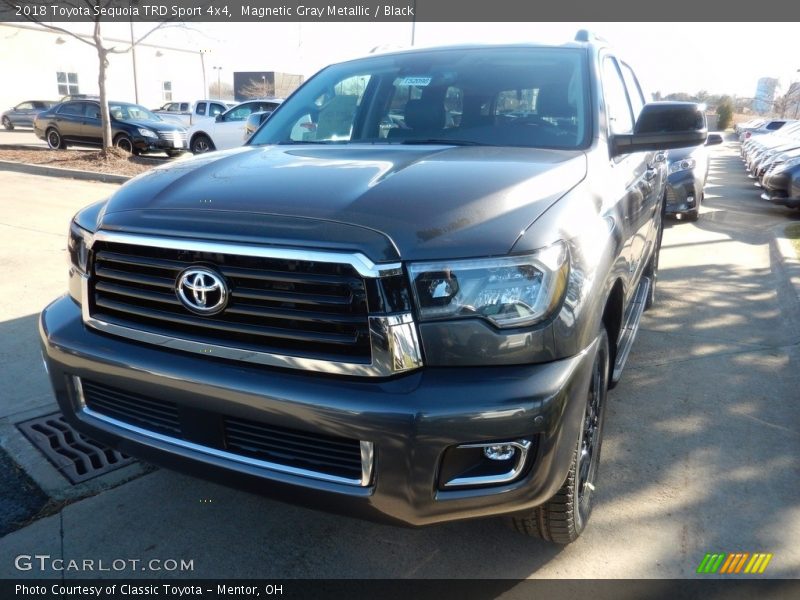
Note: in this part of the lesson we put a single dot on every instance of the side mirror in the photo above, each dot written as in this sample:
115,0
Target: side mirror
218,118
713,139
662,126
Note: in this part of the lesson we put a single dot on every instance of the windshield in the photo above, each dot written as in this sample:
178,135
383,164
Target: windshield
131,112
531,97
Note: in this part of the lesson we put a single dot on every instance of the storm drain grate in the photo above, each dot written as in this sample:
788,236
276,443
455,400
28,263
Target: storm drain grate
76,457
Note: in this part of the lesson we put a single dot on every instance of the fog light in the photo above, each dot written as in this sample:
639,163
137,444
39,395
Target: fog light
499,452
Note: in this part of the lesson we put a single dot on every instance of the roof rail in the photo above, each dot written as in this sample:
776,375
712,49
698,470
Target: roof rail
584,35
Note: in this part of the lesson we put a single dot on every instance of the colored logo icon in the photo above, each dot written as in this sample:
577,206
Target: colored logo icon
739,563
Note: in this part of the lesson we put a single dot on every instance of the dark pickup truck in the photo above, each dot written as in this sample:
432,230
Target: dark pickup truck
404,299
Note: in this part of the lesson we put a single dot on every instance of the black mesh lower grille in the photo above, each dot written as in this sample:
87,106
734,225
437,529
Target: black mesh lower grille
318,453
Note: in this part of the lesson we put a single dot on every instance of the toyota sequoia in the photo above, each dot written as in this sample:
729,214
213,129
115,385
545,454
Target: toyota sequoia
404,299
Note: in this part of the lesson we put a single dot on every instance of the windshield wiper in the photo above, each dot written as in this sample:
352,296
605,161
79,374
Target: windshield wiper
443,141
295,143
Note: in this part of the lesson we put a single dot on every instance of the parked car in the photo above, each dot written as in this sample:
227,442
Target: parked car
227,129
133,128
418,326
22,114
189,113
775,161
751,123
782,183
688,173
254,121
761,128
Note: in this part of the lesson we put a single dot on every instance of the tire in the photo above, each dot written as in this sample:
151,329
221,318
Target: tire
54,139
563,518
8,124
124,143
201,144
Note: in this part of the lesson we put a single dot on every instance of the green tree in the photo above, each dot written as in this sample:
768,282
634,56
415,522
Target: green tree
724,113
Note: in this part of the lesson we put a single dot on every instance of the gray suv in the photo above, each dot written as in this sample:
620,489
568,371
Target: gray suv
404,299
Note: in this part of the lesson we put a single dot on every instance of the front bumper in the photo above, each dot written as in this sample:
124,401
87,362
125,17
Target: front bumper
143,144
684,192
782,188
411,420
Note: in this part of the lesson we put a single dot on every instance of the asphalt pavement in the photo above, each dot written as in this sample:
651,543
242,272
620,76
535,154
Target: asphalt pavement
700,450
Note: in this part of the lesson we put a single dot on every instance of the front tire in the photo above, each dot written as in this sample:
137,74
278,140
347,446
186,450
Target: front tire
8,124
124,143
563,518
201,144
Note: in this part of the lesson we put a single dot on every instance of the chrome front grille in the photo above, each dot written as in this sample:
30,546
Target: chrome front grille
295,307
290,308
173,136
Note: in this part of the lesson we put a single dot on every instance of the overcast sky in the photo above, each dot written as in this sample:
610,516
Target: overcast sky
669,57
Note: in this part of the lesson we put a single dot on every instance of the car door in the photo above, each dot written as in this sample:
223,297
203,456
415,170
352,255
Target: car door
632,175
22,115
92,125
228,132
656,174
69,120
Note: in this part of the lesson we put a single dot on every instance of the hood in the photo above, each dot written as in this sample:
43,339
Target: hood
409,202
154,125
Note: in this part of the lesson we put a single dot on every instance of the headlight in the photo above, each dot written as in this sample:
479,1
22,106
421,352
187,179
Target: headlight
147,133
513,291
78,247
683,165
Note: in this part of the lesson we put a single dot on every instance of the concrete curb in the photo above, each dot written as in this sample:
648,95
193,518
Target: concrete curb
6,165
787,256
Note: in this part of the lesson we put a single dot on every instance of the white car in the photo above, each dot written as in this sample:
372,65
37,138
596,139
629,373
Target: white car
227,129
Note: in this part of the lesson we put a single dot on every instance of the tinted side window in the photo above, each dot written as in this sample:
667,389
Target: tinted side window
775,125
217,109
92,111
71,108
634,90
618,110
201,108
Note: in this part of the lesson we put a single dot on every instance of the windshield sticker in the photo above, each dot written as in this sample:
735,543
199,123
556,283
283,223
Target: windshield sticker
418,81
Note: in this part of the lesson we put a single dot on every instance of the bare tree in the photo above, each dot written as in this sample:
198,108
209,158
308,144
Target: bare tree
96,41
223,91
257,89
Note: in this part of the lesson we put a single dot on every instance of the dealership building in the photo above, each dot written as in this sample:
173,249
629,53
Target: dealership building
39,64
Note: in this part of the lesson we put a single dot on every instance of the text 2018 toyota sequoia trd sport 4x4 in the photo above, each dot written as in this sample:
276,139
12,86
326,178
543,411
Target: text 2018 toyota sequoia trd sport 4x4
405,298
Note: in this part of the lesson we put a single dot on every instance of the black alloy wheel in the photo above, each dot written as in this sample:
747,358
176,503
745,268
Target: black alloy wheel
202,144
54,140
563,518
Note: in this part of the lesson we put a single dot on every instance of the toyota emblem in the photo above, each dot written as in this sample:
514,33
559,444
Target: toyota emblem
202,290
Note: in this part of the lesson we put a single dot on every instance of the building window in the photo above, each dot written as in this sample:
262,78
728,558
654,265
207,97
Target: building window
166,90
67,83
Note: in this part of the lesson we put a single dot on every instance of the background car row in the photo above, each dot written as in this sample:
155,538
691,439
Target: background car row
174,128
772,159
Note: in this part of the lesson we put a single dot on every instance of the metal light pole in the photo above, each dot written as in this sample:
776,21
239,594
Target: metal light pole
219,85
133,59
203,65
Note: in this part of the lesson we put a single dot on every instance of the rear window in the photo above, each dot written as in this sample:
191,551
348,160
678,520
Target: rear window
530,97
